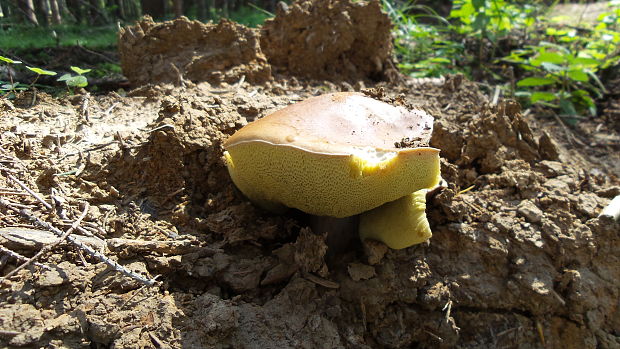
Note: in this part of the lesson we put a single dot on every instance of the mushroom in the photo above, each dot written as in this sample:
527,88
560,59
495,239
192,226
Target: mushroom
340,155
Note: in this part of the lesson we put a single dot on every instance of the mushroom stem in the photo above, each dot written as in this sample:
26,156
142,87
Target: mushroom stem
341,233
398,224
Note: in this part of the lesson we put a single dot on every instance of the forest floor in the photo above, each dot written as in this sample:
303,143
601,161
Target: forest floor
520,260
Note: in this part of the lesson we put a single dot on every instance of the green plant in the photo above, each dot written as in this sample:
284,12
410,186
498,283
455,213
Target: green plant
10,87
24,36
491,19
73,81
39,72
422,50
560,78
563,67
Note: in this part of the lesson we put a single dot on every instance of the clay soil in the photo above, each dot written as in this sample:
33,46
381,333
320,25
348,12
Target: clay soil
518,259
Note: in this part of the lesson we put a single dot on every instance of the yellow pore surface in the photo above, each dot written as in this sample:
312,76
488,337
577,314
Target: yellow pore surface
337,185
398,224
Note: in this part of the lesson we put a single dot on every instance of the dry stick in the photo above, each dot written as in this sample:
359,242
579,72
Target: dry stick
7,192
23,186
97,147
26,214
48,248
84,108
19,257
569,135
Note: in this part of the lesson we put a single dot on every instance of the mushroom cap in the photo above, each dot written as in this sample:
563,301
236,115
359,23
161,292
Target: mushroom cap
339,123
333,155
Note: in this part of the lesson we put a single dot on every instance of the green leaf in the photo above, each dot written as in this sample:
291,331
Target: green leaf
79,70
567,107
523,94
15,86
536,81
440,60
550,67
478,3
65,77
542,96
578,75
551,57
77,81
8,60
585,61
41,71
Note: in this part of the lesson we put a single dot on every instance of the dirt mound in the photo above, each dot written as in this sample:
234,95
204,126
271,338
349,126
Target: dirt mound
173,51
327,39
519,260
324,40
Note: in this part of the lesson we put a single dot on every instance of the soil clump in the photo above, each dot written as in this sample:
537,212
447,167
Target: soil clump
179,50
333,40
326,39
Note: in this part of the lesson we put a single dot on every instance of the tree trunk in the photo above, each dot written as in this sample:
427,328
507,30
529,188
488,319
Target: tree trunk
178,8
154,8
133,9
119,9
203,10
75,8
43,12
225,7
27,8
56,16
96,12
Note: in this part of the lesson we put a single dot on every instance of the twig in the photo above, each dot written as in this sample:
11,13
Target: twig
363,309
98,54
320,281
97,147
157,341
15,204
505,332
160,127
84,108
109,110
569,135
32,193
448,308
48,248
19,257
180,80
439,339
239,83
495,97
38,222
9,333
10,192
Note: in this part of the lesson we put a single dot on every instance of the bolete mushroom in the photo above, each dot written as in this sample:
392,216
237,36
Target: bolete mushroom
339,155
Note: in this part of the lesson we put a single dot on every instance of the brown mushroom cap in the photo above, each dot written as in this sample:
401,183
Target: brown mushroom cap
339,123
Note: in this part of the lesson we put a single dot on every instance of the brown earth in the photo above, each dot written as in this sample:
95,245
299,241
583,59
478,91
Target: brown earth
173,51
520,260
327,39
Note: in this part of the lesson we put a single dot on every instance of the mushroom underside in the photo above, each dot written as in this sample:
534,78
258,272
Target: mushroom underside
389,194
